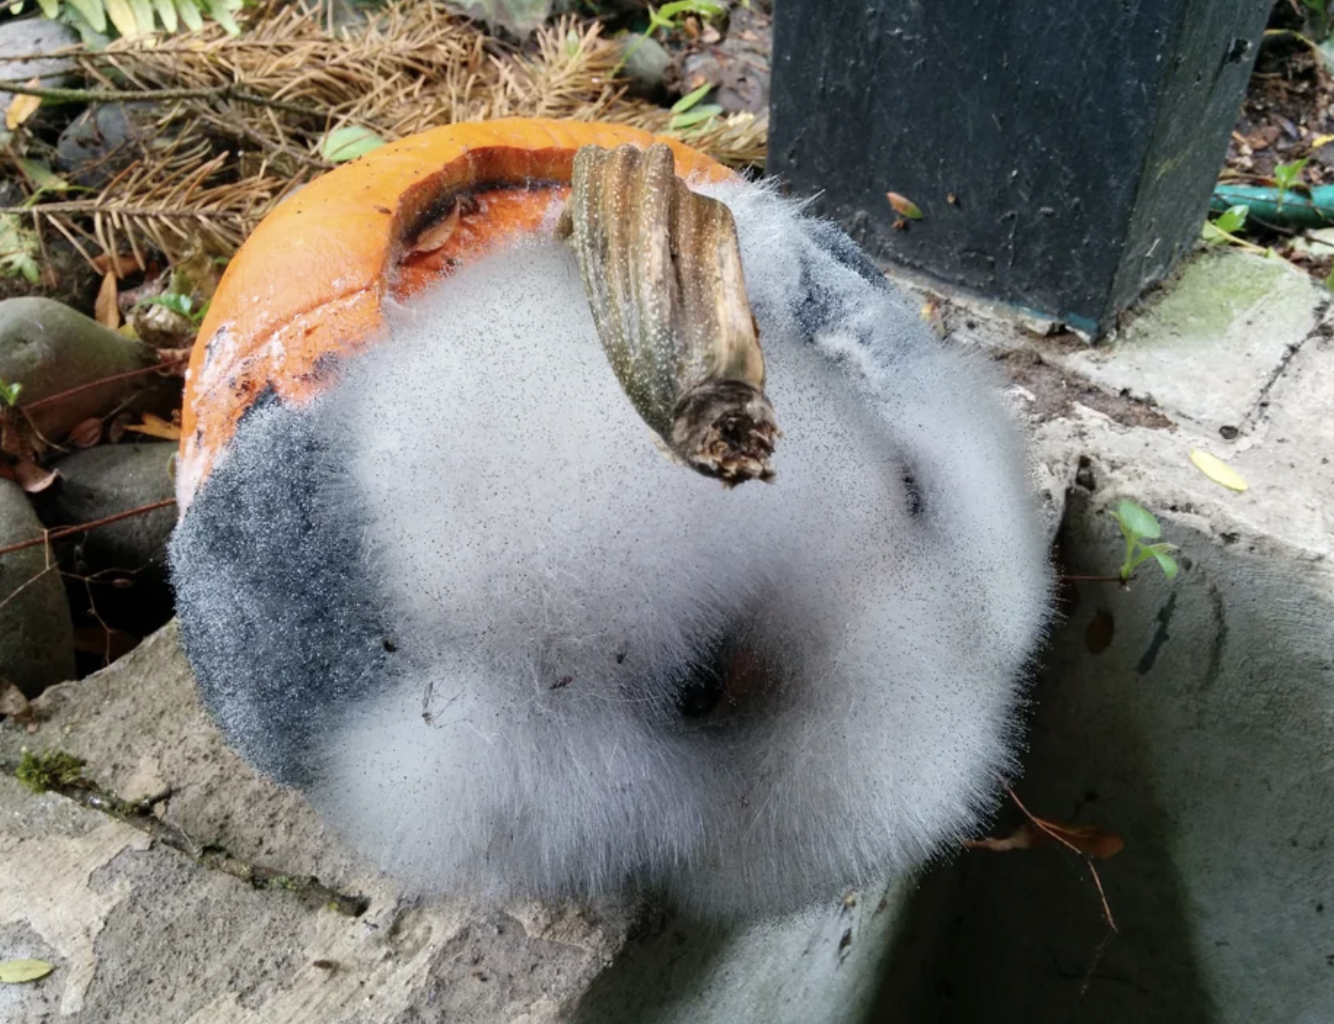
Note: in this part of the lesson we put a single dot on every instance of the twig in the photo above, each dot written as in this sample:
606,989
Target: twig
65,531
1097,881
27,583
54,772
127,375
1114,578
232,91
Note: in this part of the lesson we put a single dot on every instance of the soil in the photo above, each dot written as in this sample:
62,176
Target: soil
1288,115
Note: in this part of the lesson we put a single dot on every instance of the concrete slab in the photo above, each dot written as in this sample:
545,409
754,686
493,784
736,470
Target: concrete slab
1209,344
138,932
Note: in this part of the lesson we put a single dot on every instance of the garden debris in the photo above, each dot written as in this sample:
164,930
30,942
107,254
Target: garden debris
240,121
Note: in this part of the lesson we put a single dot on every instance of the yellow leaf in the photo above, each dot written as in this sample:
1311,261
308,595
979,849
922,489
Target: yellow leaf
1321,140
1217,470
22,107
122,16
156,426
14,971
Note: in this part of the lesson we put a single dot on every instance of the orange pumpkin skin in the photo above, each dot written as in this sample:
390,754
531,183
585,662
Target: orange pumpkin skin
307,287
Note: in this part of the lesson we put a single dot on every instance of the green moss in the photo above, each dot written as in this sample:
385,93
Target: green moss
52,769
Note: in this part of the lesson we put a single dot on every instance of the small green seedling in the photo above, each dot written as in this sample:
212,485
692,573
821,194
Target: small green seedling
670,16
1289,176
10,393
1222,230
1138,525
183,305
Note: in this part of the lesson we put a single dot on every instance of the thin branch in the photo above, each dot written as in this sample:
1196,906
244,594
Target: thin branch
127,375
66,531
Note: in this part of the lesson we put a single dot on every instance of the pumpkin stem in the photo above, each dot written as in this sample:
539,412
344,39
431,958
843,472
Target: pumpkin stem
662,269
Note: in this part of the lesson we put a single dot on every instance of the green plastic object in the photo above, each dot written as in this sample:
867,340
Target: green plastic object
1307,208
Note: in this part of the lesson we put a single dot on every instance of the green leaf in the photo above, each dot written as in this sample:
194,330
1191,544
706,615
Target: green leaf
221,10
122,16
694,117
1329,278
42,176
706,9
9,393
17,7
143,15
1287,175
166,12
691,98
348,143
1166,561
1138,521
49,7
173,301
1233,219
93,12
13,972
189,12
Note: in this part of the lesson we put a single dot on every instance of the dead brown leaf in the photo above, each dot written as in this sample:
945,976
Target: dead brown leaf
1033,834
122,264
86,434
32,477
106,309
904,206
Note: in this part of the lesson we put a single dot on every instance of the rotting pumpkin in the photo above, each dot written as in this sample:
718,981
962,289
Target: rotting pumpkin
433,570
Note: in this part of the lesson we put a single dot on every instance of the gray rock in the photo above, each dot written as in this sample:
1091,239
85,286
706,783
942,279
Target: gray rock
32,37
104,140
646,66
49,348
36,634
115,478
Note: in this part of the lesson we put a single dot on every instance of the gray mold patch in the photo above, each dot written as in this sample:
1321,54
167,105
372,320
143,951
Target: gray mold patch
280,634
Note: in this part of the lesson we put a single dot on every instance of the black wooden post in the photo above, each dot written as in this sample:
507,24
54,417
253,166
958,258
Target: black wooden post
1062,153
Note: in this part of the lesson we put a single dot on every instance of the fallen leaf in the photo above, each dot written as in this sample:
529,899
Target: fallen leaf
32,477
348,143
12,972
438,233
1321,140
1217,470
86,434
1089,840
1020,839
22,107
122,264
106,309
156,426
904,206
119,425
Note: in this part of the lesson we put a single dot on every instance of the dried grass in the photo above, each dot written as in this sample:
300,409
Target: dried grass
211,167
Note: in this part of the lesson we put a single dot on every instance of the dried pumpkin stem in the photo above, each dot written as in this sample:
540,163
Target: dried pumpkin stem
662,269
